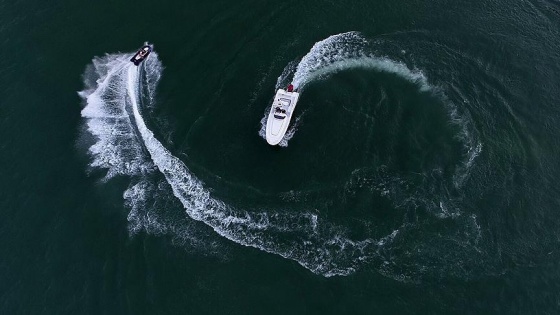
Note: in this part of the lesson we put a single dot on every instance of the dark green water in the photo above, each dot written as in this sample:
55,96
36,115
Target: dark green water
419,175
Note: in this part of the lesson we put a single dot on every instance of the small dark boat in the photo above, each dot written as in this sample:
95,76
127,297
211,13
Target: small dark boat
141,54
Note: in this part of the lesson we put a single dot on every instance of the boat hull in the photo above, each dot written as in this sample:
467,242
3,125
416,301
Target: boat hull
141,55
280,115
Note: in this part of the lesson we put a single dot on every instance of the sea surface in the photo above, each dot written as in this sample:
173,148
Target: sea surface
418,176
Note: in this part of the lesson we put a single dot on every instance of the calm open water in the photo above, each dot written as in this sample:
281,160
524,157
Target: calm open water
418,175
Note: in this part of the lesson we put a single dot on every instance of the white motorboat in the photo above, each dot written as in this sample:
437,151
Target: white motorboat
280,114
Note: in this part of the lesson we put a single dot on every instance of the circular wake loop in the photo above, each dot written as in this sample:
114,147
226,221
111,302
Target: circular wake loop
351,50
117,93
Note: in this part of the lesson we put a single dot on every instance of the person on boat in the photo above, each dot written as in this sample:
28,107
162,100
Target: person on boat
290,88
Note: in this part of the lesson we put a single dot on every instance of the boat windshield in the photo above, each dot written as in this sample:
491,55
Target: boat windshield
284,101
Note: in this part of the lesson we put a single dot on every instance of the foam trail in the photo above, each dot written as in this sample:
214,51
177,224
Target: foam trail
116,149
339,53
349,51
300,237
116,94
126,146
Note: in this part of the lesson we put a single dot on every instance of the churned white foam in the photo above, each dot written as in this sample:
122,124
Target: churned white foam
262,131
335,54
116,147
349,51
302,237
352,51
472,146
284,79
389,238
125,145
291,131
137,197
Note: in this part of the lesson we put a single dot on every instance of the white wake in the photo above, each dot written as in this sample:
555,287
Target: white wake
334,54
114,115
116,97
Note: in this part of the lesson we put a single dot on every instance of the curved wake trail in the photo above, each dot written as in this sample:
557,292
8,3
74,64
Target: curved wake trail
299,237
116,94
349,51
116,149
335,54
